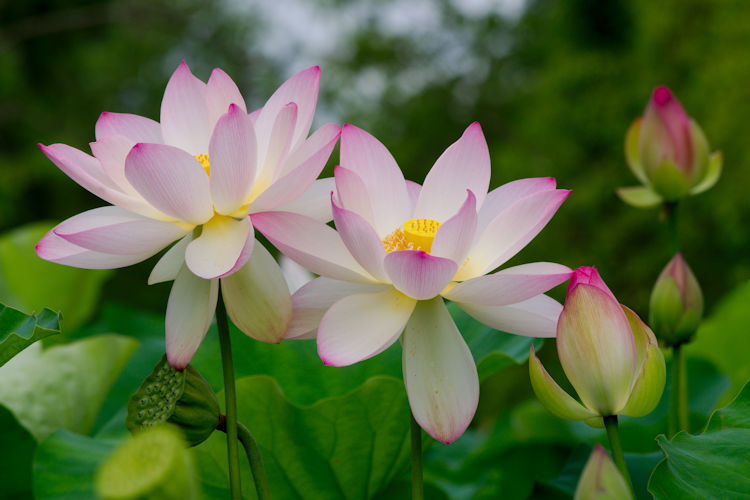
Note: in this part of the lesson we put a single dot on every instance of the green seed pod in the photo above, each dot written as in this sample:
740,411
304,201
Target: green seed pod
183,398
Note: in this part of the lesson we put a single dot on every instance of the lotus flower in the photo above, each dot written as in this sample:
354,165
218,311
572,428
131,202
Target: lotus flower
608,354
400,248
676,302
195,177
668,153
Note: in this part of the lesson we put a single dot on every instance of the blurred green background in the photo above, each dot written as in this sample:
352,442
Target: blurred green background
553,84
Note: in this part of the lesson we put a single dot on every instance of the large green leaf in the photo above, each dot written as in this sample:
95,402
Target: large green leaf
65,463
351,446
63,386
30,283
18,330
15,458
722,338
715,464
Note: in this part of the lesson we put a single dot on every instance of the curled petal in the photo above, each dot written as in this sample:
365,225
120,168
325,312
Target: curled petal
219,249
439,372
184,116
257,297
552,396
313,299
190,309
534,317
465,165
360,326
509,286
418,274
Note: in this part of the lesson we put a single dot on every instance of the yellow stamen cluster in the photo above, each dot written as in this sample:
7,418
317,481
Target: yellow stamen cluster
203,160
414,234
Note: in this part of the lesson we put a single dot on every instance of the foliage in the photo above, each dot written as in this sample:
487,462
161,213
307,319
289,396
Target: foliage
18,331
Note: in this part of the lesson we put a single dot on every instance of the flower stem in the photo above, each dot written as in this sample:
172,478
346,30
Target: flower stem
678,404
417,483
256,462
670,214
230,398
613,433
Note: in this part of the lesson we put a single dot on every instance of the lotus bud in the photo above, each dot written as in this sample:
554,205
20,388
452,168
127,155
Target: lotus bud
600,479
668,152
676,303
608,354
154,464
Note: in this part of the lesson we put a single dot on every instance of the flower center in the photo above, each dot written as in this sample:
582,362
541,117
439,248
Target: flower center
203,160
414,234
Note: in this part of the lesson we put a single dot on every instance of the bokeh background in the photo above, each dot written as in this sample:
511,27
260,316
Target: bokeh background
553,84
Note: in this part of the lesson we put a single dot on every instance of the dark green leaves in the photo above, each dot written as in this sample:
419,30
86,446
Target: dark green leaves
18,330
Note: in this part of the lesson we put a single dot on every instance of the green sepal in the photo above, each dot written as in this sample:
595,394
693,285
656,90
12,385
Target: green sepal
669,181
639,196
715,163
183,398
18,330
155,464
632,155
554,397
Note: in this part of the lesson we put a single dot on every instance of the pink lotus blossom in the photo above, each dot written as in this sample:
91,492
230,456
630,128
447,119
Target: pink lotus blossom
400,248
196,177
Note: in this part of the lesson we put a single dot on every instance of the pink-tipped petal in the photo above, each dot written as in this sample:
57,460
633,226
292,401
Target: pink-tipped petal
257,297
116,231
111,151
535,317
313,299
372,162
171,262
455,236
295,183
419,274
360,326
184,116
589,276
220,247
221,92
56,249
464,165
352,193
510,231
133,127
302,90
323,139
171,180
439,372
190,309
311,244
504,196
596,349
233,155
511,285
315,202
361,240
88,172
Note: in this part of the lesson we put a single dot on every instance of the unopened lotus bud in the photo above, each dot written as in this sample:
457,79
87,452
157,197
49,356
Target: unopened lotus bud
608,354
669,153
154,464
181,397
600,479
676,302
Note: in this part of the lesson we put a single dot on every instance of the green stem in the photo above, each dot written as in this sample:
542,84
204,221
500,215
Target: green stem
670,213
678,405
256,462
613,433
230,398
417,483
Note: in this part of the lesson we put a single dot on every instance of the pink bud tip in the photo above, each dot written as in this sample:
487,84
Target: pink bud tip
588,275
662,96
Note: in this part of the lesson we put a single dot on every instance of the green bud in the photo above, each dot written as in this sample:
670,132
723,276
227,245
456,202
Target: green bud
600,479
676,303
183,398
154,464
